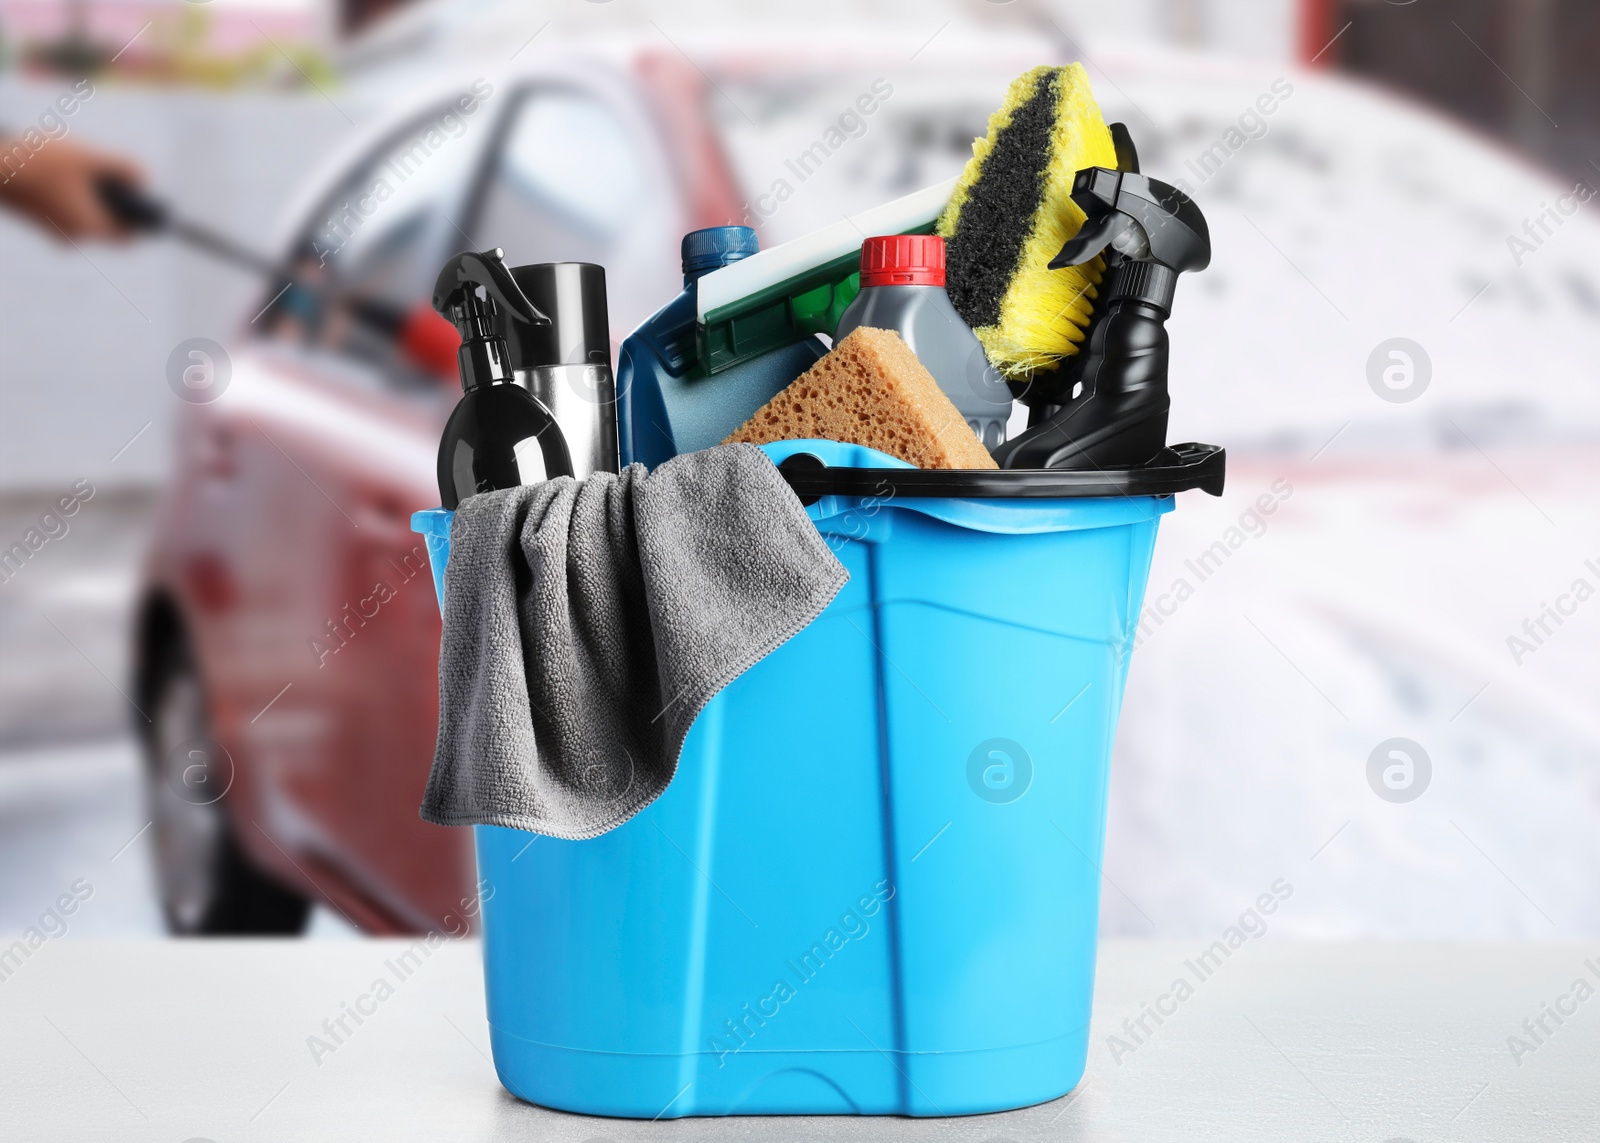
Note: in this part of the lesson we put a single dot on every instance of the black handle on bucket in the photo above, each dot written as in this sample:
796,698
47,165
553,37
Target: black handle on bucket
1174,469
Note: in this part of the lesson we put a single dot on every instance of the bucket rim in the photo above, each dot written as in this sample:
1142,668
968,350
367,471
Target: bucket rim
1177,468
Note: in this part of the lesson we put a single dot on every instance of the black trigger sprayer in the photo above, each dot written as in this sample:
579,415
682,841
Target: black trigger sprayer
1107,406
499,435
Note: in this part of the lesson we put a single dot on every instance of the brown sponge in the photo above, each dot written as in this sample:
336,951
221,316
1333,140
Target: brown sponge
871,390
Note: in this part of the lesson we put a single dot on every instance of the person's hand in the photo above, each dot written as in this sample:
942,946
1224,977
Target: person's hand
55,189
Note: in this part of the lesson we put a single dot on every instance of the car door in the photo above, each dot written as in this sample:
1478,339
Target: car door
342,435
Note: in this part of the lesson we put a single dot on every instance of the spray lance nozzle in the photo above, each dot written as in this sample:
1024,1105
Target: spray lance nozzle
1107,405
471,290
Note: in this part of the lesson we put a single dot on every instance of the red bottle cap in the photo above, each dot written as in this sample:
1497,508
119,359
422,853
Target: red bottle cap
903,260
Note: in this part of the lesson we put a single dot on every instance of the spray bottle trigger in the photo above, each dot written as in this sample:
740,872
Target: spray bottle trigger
484,358
1093,237
460,279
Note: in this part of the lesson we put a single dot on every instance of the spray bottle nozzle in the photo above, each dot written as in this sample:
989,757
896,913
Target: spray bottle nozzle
483,358
1141,218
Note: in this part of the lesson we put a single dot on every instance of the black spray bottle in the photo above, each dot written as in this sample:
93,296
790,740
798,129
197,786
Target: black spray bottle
1107,406
499,435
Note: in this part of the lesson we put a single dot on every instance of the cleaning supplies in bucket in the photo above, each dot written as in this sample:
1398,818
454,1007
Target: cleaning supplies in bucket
631,952
745,326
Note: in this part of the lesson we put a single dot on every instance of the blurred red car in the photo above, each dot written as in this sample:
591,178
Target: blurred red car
287,632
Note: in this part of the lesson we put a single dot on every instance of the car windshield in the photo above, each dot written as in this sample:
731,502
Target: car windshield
368,255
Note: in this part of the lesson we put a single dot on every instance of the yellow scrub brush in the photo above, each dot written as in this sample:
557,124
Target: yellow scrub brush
1012,211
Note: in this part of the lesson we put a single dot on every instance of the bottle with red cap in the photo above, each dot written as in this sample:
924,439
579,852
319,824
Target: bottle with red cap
902,288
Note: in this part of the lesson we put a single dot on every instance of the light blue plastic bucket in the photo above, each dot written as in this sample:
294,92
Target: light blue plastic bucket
872,886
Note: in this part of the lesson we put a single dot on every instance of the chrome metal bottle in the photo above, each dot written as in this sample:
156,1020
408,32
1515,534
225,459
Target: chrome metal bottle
566,364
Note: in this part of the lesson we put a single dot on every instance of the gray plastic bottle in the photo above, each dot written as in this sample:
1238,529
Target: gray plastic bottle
902,288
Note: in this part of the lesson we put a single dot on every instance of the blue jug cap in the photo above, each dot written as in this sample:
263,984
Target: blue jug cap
715,247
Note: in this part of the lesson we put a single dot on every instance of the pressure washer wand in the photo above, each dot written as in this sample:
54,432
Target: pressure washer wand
422,335
138,211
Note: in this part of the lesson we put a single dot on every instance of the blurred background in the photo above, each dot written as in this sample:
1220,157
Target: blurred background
1369,669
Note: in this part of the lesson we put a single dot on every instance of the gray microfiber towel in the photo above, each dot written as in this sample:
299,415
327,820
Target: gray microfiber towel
587,623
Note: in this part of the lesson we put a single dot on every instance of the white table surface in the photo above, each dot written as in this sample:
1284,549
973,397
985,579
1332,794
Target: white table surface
173,1041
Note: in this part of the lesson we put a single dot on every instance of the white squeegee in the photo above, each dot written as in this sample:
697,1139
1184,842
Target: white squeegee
788,268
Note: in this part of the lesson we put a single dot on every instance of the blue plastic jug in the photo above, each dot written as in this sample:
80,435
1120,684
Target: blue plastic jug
666,403
873,884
